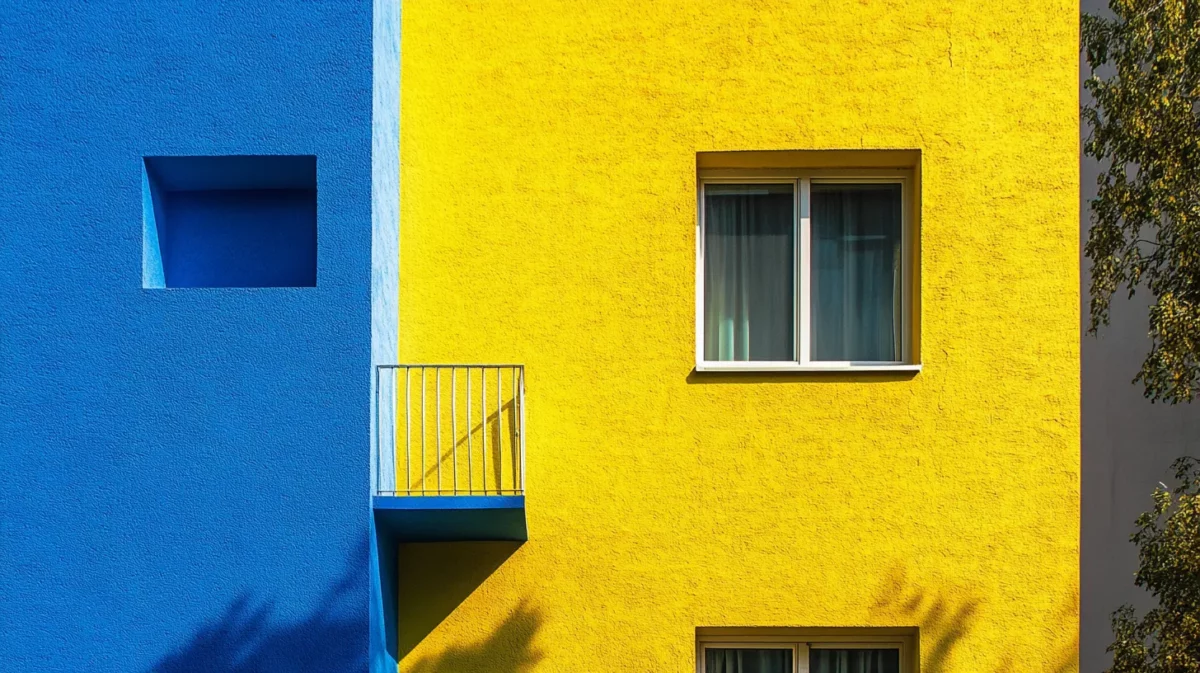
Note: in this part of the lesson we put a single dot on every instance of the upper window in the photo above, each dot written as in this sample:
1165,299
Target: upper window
805,272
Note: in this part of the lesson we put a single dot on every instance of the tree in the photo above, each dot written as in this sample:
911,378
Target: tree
1167,638
1145,129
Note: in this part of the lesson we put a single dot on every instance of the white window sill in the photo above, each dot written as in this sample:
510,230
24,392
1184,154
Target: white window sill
792,367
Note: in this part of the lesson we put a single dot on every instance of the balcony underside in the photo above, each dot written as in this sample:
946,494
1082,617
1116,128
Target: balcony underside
451,518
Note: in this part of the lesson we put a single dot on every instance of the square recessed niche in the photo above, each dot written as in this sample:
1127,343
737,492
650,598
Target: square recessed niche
231,221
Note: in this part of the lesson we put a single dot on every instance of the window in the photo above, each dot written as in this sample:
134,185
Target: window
792,651
804,272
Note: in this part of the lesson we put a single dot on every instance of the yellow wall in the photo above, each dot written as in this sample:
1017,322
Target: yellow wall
548,214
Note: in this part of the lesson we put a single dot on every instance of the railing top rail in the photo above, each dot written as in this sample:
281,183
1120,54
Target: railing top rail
446,366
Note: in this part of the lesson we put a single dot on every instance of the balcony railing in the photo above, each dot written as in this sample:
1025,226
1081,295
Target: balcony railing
446,430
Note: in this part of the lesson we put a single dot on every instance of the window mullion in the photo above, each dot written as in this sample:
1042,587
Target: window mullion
804,278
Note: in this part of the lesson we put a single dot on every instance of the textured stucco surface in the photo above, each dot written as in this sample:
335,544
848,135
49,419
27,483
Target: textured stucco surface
183,472
548,200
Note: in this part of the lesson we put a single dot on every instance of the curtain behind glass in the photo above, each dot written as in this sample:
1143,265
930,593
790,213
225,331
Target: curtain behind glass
854,661
749,248
856,272
744,660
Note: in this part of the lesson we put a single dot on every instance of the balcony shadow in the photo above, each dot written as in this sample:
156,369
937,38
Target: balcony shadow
248,637
718,378
509,649
485,454
436,577
498,433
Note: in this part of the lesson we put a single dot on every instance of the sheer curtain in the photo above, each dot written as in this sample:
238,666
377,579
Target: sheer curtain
749,248
856,272
854,661
745,660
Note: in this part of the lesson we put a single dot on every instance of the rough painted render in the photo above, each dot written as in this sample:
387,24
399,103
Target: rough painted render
548,194
184,480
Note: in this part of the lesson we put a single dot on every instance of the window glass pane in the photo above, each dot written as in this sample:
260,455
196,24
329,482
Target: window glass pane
744,660
854,661
856,272
749,248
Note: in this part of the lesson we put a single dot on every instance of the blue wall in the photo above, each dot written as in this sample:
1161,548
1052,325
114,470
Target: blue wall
185,471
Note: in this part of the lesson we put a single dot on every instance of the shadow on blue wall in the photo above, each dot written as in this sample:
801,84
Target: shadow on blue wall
248,637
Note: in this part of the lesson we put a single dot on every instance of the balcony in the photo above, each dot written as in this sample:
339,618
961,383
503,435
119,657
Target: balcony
450,452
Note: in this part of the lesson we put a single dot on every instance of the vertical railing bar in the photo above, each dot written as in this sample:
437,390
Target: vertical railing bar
523,432
483,424
437,384
470,458
395,458
423,461
454,423
499,430
407,431
516,429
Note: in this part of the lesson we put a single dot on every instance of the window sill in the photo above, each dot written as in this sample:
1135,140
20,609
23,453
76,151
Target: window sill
793,368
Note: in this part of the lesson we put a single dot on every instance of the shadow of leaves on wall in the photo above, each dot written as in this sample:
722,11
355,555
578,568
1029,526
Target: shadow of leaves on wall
1067,653
248,637
509,649
944,619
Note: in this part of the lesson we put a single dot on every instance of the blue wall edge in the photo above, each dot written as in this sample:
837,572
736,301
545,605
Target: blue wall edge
385,286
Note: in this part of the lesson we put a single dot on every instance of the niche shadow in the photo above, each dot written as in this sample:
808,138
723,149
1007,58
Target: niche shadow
436,577
248,637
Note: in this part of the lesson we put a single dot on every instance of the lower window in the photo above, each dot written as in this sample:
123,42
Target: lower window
784,654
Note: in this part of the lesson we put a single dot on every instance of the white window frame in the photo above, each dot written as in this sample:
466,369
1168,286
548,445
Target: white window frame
802,644
802,182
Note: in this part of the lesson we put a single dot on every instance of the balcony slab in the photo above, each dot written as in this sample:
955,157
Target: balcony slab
451,518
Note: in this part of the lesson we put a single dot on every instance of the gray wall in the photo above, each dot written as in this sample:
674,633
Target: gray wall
1128,446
